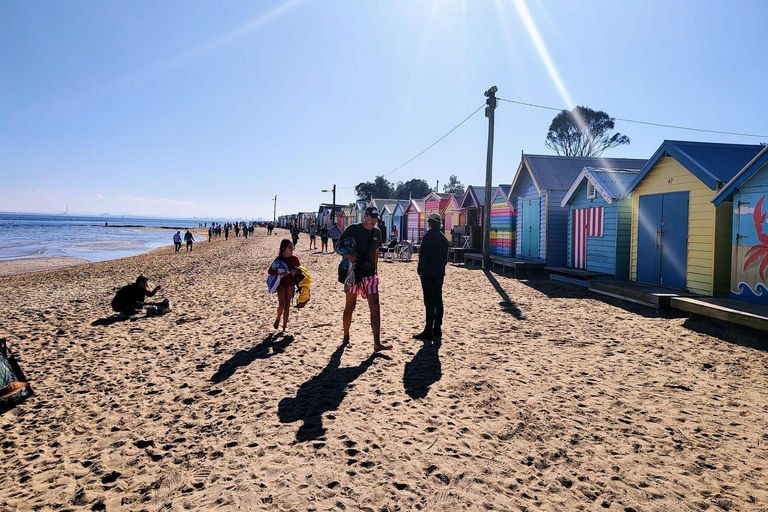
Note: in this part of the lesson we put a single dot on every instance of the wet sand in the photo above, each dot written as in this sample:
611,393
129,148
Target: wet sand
540,397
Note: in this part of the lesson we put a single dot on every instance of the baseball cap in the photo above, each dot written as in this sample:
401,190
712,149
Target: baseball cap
435,217
372,212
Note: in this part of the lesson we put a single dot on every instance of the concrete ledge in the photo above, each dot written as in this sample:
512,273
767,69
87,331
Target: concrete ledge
733,311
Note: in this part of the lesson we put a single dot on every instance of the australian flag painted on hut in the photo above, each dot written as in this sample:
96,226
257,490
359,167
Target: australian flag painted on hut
540,185
747,196
600,221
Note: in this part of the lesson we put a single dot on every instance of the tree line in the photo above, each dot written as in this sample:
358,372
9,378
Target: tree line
382,188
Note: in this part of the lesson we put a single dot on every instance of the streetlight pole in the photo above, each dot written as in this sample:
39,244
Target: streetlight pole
333,207
274,210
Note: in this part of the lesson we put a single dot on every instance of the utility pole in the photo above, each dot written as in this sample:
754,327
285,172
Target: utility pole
437,185
489,113
274,210
333,209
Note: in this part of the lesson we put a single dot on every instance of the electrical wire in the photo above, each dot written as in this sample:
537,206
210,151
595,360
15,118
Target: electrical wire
644,122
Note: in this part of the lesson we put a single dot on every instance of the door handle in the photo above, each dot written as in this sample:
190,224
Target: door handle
658,238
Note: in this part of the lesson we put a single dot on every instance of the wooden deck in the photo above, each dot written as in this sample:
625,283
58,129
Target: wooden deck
733,311
505,263
457,252
577,276
640,293
472,257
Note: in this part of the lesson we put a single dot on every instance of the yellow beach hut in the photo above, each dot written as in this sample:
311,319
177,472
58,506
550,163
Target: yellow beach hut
679,238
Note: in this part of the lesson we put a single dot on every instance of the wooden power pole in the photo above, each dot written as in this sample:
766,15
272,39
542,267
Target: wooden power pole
489,113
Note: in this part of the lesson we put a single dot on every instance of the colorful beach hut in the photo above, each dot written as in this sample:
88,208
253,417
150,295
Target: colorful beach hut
399,219
600,221
472,206
540,185
746,195
450,211
503,216
415,220
680,239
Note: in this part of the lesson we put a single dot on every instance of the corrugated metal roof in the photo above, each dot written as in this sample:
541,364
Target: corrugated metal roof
552,172
721,161
615,182
505,189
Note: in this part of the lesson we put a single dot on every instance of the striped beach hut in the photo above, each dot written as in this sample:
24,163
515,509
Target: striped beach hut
600,221
540,184
450,211
503,217
747,196
415,220
680,239
399,219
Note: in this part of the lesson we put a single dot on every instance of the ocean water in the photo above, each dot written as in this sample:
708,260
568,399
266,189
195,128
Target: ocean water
24,235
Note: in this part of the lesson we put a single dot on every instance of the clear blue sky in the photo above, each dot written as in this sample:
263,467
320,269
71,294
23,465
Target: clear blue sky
202,108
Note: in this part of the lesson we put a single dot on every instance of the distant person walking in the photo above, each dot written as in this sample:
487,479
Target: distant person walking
210,234
335,233
189,239
177,241
245,231
312,236
226,231
433,256
324,238
237,229
367,241
286,288
295,235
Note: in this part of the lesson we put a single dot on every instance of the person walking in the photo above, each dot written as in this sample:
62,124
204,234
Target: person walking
286,288
189,239
433,257
295,235
312,236
335,233
210,234
366,258
177,241
324,238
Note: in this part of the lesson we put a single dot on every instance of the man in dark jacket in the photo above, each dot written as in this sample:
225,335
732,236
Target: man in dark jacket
129,299
433,256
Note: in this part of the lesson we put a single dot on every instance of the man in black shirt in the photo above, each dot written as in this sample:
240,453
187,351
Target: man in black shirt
367,240
433,256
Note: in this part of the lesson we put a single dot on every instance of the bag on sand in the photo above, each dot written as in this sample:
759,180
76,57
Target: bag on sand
14,387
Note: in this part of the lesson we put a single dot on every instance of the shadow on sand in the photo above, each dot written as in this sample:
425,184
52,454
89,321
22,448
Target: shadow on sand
321,394
730,333
109,320
273,344
423,370
507,304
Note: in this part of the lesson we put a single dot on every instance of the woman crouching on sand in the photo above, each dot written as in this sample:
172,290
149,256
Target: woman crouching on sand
286,288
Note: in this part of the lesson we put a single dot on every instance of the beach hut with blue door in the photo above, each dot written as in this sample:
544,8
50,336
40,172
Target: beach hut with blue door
600,221
540,185
680,239
503,216
399,219
747,196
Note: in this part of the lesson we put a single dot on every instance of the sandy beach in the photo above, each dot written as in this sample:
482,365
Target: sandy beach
540,397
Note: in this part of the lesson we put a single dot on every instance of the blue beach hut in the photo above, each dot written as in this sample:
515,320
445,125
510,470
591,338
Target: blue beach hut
746,195
540,185
600,221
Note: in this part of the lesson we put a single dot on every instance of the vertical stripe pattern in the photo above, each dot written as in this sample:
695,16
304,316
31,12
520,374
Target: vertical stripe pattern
586,222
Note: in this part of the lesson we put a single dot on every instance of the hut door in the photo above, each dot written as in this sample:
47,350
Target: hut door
530,228
579,238
662,239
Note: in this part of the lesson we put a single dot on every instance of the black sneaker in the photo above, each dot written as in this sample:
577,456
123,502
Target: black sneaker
424,335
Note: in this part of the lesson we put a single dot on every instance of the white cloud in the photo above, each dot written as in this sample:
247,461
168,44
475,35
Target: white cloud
100,196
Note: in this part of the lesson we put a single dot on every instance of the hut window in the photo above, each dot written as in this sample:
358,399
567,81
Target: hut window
590,190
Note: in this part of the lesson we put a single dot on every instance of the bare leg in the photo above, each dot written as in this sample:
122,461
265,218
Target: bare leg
281,305
349,308
288,292
373,304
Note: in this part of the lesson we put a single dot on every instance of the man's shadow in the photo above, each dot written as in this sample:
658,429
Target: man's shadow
423,370
113,319
273,344
321,394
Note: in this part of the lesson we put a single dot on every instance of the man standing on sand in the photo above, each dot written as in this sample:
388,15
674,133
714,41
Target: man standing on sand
177,240
335,234
367,239
433,256
189,239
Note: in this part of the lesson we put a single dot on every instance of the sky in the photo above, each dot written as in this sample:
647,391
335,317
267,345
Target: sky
199,108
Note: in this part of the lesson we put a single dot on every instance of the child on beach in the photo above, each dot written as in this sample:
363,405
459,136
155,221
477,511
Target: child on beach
286,288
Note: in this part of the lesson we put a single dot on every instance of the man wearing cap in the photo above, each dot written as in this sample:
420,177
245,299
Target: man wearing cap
367,240
433,256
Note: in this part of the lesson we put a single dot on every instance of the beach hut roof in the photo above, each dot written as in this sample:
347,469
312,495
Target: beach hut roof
743,175
612,184
552,172
416,204
711,162
474,197
385,204
504,191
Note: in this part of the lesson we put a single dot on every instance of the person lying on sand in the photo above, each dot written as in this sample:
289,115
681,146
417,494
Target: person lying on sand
129,299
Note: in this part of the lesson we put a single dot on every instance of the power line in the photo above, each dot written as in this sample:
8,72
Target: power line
644,122
431,145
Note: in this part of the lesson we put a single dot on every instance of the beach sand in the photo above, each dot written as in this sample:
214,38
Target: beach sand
541,396
21,266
